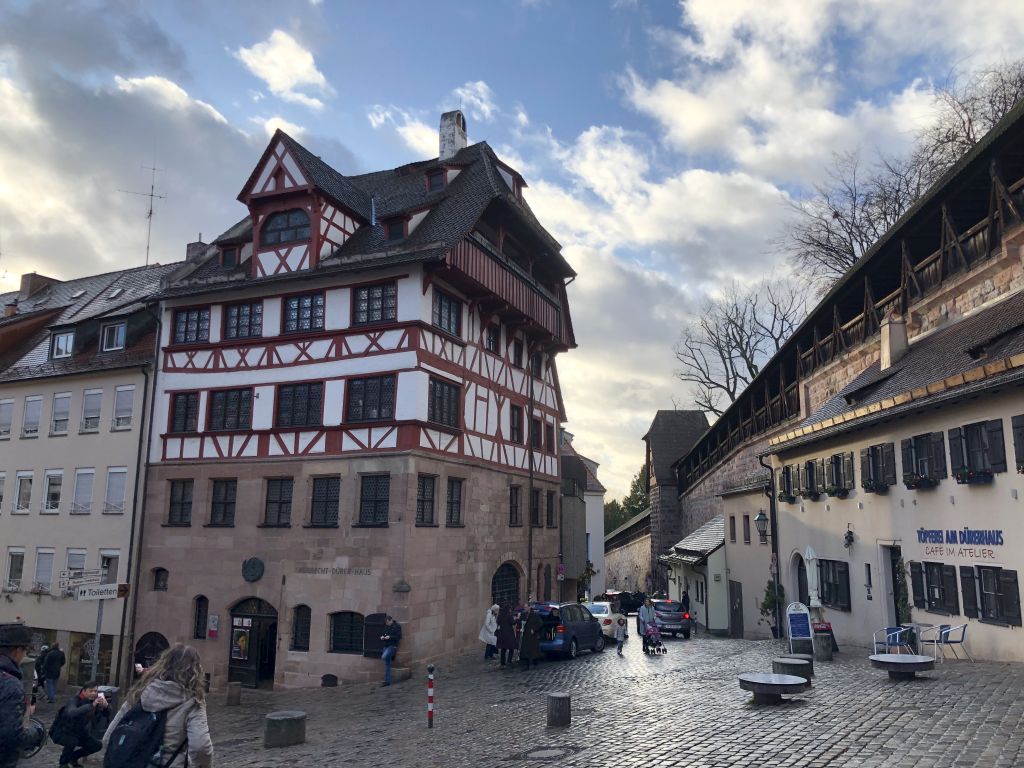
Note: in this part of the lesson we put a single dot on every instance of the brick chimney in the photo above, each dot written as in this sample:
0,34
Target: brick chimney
194,251
894,340
33,283
452,136
11,308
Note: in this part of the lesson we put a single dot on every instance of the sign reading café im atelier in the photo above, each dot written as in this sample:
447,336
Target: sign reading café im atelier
972,543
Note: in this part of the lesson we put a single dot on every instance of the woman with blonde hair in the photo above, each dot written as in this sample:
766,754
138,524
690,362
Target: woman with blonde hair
174,684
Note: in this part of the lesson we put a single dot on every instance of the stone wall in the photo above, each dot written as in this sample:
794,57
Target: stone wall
666,530
628,567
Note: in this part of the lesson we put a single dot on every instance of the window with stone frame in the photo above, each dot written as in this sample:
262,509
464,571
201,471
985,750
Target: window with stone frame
278,507
453,505
230,409
375,304
425,491
184,412
515,512
180,510
371,399
160,579
191,326
222,504
326,500
300,405
374,500
346,632
301,618
200,614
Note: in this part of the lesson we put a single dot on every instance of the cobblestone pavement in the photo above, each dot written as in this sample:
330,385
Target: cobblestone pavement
681,709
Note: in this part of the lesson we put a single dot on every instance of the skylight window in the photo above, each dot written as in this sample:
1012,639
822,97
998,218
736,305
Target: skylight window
77,294
117,292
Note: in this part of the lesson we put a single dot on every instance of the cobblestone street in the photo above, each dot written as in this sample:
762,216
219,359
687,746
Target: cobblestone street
682,709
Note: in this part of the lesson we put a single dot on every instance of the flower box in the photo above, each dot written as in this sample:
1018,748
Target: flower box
874,486
787,498
965,476
916,482
837,491
811,495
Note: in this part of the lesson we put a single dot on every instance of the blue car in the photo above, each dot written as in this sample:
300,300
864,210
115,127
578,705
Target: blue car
568,628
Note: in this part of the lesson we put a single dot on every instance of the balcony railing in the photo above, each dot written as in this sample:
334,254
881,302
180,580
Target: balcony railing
81,508
30,430
113,508
90,424
121,422
40,588
59,427
12,585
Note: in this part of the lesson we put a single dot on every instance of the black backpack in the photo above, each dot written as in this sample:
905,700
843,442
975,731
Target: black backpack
137,739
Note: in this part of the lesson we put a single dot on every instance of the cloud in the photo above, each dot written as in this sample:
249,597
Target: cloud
285,66
271,124
477,98
166,93
414,133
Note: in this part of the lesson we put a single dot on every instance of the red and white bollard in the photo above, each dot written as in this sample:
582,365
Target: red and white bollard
430,696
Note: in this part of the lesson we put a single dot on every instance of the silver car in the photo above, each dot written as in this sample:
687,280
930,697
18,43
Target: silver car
671,618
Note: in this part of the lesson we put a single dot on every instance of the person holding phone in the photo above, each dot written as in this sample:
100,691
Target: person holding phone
74,724
391,637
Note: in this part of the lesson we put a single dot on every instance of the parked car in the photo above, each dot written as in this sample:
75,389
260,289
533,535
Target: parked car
627,602
568,628
670,617
606,614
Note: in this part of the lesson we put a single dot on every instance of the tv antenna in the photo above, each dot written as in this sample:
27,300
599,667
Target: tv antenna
152,196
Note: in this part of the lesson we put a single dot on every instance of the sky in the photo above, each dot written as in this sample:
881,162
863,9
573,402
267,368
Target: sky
663,142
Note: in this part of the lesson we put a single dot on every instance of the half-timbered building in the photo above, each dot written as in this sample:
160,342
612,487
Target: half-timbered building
356,414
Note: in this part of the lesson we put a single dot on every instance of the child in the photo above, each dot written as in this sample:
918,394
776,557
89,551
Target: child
620,633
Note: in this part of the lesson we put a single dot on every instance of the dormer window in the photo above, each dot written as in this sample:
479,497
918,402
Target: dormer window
63,344
285,227
229,257
435,180
113,337
394,229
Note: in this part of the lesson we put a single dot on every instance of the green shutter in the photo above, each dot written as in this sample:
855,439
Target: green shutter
907,447
995,447
957,458
1011,597
949,586
889,463
865,465
917,584
938,456
847,471
843,574
969,591
1017,424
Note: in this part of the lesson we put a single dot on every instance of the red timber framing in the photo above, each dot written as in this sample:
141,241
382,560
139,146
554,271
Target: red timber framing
924,252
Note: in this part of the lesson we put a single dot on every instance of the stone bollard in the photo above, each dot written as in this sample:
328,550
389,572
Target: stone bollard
559,709
284,729
822,646
796,667
809,658
234,695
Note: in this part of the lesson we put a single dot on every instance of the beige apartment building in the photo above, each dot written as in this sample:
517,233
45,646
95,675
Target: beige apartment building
75,364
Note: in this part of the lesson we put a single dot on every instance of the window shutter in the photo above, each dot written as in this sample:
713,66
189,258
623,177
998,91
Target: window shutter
1017,425
848,470
969,591
996,448
950,587
1011,597
917,584
819,475
865,465
798,477
889,463
957,459
939,456
908,457
843,574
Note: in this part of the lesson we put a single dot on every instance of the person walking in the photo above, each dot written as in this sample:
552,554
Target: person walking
74,726
487,632
39,667
620,633
392,637
15,736
529,649
645,618
684,600
506,636
52,665
174,684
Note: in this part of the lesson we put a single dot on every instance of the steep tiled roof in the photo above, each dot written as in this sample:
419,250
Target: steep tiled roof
698,545
670,437
988,336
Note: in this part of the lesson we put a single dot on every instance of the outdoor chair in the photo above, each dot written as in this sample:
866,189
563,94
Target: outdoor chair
889,638
946,636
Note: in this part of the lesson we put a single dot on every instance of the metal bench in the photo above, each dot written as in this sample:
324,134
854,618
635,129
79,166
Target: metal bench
768,687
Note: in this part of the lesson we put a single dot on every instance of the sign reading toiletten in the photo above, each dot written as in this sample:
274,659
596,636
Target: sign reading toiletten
102,592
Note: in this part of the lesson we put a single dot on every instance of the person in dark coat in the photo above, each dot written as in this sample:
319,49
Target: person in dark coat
52,665
15,640
40,658
76,724
529,650
392,637
685,601
506,635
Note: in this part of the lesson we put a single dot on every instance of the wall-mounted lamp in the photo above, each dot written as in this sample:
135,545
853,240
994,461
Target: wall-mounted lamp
761,521
848,537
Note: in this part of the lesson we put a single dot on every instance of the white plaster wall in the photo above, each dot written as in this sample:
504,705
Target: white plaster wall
595,528
749,564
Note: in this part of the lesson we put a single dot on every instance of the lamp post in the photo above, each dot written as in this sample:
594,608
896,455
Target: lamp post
761,521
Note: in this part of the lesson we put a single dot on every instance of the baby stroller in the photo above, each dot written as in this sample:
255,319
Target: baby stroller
652,640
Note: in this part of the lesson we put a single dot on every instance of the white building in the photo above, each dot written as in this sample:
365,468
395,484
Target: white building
593,497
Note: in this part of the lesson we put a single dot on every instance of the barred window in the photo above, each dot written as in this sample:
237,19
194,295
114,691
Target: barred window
243,321
304,313
371,399
278,512
180,512
375,304
425,485
326,495
192,326
514,505
301,617
346,632
300,405
185,412
230,409
454,507
202,610
447,313
375,493
550,510
222,507
443,403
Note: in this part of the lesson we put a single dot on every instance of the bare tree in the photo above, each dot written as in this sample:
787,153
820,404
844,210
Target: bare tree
844,217
724,347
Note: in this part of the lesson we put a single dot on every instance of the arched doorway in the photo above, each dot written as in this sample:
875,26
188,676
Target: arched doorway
800,567
505,586
253,648
149,648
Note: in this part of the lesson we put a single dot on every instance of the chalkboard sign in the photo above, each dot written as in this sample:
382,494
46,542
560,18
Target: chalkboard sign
798,619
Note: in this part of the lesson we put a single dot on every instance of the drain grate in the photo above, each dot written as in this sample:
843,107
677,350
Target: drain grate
548,753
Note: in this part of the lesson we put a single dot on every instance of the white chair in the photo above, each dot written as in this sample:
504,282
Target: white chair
947,636
888,638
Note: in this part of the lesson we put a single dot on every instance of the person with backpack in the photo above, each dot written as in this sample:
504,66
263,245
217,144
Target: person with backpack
74,725
52,665
15,736
163,719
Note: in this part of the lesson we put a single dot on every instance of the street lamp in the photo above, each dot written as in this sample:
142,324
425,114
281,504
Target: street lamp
761,521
